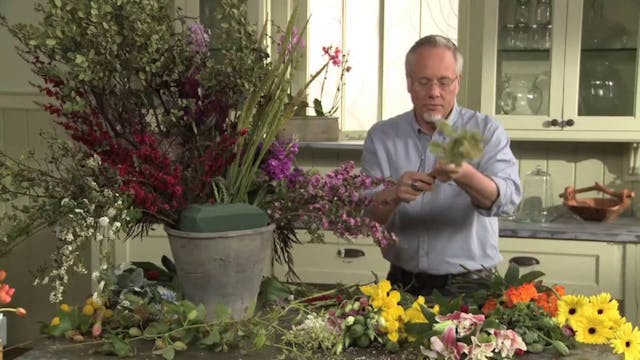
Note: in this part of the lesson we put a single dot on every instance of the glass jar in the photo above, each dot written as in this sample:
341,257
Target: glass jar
537,197
543,12
509,37
522,36
522,12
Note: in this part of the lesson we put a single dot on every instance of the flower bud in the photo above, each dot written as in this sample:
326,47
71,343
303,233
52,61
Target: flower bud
66,308
561,347
135,332
3,275
55,321
192,315
356,305
88,310
21,312
179,346
347,309
96,330
349,320
160,344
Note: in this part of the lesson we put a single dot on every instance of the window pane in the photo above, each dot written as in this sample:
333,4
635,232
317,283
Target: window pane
361,90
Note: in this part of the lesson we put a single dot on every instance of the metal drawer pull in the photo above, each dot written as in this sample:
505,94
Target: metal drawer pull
350,253
524,261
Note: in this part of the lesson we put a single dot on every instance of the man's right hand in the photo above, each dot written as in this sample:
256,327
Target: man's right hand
412,184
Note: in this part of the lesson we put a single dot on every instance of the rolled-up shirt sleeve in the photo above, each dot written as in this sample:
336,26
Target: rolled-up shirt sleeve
499,163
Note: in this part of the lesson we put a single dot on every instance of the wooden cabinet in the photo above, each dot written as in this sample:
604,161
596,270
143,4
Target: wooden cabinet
582,267
571,74
336,261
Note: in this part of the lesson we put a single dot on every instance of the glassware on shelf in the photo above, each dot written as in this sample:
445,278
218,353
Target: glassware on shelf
537,197
509,37
514,97
522,36
507,99
543,12
534,97
599,89
522,12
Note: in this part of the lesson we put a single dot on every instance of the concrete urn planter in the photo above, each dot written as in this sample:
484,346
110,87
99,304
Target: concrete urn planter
312,128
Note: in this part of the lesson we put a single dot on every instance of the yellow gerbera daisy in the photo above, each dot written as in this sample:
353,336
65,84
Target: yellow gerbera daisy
605,306
592,328
626,340
568,307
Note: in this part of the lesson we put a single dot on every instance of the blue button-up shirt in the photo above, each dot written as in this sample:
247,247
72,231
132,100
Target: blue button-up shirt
443,229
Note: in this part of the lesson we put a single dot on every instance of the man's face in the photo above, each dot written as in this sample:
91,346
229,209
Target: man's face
433,83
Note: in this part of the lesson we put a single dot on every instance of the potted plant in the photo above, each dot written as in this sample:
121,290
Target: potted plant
169,123
324,124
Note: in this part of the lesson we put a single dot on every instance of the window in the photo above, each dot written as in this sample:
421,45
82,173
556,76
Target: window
377,35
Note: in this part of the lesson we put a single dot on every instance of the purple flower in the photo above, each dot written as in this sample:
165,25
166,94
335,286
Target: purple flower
278,161
294,42
198,37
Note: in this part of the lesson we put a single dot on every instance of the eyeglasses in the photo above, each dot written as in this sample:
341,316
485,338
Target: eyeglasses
442,83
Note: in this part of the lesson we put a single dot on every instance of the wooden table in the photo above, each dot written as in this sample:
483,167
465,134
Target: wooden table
61,350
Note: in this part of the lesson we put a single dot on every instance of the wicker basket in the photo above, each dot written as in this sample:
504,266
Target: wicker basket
598,208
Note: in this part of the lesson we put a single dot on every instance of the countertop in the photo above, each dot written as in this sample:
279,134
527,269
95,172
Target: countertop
60,350
622,229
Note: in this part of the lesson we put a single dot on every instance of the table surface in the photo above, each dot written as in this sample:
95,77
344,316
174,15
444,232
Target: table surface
61,350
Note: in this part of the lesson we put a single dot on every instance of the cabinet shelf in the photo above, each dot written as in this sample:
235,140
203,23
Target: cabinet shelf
614,50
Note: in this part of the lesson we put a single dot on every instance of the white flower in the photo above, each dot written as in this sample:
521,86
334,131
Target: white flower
103,221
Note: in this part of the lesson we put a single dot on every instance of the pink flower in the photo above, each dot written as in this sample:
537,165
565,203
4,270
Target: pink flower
480,350
445,346
508,342
465,323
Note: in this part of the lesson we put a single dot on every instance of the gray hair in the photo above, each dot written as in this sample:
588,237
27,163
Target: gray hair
434,41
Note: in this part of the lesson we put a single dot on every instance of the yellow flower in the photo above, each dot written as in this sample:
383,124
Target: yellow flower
605,306
626,340
55,321
393,336
108,313
88,310
414,313
568,307
66,308
592,328
377,292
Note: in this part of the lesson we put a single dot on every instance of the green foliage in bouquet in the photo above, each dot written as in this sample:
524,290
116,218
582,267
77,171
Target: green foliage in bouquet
461,145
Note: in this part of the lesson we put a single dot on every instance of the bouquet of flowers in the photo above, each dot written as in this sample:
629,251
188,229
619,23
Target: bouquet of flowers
161,114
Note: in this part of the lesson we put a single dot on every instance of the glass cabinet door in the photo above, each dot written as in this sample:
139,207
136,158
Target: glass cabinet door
525,37
608,58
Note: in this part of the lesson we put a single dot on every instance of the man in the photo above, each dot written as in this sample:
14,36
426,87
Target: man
445,216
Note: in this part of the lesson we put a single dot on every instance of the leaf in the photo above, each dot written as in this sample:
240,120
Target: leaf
156,328
491,323
212,338
317,107
512,275
168,264
168,353
531,276
120,347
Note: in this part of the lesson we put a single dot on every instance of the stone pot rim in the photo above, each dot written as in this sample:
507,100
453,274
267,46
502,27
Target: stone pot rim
208,235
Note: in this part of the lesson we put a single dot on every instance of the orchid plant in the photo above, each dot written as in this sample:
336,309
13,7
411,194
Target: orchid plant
338,59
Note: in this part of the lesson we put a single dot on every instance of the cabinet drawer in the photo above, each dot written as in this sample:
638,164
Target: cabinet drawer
584,267
336,261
